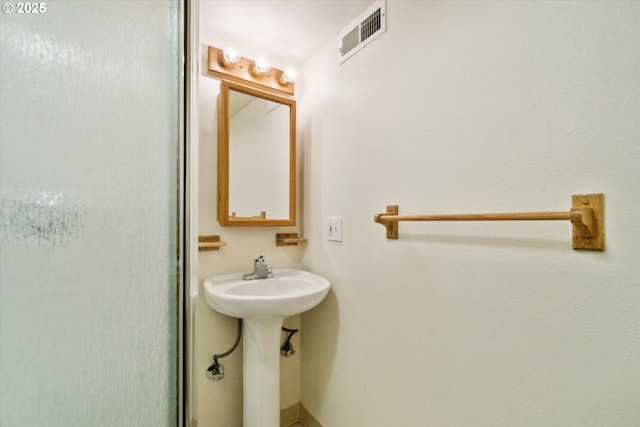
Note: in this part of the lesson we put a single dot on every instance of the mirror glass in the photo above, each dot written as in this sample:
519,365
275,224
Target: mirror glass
256,157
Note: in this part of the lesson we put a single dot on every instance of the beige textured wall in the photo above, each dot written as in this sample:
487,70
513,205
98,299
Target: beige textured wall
463,107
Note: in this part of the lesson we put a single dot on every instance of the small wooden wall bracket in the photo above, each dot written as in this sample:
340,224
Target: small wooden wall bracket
210,243
587,219
390,225
289,239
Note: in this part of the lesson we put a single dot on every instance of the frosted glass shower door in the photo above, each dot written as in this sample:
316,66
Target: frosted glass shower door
89,201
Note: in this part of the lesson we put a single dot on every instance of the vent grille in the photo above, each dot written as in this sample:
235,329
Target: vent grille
350,41
369,26
363,30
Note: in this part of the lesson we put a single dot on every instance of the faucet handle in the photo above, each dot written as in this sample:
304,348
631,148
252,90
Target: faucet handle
259,261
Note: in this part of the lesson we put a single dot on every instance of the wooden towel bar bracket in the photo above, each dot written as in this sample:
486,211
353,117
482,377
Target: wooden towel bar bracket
586,215
289,239
210,243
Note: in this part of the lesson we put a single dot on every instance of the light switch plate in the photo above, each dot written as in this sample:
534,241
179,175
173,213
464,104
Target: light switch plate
334,228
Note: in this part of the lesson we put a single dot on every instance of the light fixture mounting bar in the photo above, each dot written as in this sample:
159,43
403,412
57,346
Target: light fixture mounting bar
241,72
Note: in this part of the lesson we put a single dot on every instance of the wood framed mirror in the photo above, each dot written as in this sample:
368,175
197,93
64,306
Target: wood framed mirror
256,157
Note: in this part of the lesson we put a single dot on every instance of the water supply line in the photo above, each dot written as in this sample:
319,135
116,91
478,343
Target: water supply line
216,370
287,349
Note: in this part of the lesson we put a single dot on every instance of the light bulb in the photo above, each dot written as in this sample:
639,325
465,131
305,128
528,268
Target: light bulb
230,56
261,66
290,75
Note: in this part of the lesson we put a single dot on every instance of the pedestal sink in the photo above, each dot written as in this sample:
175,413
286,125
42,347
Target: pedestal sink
263,304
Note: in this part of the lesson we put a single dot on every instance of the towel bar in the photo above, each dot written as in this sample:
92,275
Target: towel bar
586,215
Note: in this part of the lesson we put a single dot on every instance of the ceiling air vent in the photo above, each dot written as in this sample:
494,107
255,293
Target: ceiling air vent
363,30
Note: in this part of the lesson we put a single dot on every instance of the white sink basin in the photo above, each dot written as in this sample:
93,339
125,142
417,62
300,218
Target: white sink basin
290,292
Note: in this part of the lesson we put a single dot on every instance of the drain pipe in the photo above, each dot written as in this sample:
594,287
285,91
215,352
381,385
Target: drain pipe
216,370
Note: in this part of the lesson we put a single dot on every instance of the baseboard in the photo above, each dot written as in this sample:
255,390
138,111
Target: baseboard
290,415
297,413
307,419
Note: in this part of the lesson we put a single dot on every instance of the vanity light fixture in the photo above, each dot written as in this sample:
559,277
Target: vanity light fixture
261,66
230,56
290,75
228,64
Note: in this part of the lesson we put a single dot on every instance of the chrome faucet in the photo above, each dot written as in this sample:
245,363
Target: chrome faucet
261,270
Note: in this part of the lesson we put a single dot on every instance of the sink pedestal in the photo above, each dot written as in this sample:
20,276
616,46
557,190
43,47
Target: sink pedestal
261,376
263,305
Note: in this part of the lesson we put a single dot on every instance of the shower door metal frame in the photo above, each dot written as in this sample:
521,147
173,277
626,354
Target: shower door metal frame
188,244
